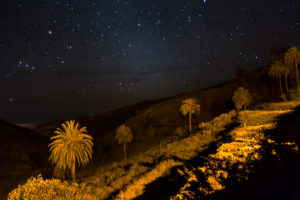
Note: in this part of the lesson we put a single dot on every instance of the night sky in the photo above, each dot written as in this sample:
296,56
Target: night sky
69,58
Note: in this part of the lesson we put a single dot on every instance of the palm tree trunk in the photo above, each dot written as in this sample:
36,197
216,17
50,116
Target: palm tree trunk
190,122
286,82
297,77
125,150
281,90
73,173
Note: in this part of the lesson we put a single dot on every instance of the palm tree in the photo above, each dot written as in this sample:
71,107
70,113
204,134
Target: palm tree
241,98
71,145
276,71
190,106
292,57
124,136
287,71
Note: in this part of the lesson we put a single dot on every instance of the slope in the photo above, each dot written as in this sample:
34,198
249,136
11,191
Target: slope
23,153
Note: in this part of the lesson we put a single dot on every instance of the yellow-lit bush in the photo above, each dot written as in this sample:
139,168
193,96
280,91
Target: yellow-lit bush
38,188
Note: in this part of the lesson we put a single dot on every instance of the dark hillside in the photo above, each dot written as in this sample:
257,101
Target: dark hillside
151,121
23,153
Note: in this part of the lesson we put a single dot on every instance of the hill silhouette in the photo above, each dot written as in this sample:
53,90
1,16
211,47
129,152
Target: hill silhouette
152,122
23,153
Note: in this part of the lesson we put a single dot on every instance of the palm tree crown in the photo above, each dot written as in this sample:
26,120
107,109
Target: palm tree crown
71,145
190,106
292,56
276,70
124,136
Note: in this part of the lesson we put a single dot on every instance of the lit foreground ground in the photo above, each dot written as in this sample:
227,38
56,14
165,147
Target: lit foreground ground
224,151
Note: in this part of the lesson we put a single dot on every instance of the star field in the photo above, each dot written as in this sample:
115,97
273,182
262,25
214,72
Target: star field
68,58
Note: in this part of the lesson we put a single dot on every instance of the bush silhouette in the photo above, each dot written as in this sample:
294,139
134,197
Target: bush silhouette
71,145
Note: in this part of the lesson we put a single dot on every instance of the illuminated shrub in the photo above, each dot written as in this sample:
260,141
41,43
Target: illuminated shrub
206,127
217,123
224,119
54,189
137,187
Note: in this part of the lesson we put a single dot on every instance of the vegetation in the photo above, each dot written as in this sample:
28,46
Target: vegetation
234,159
71,145
277,70
129,178
124,136
190,106
292,58
287,71
38,188
137,187
241,98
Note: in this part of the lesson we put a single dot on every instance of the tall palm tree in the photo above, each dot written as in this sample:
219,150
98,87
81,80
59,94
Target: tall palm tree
71,145
124,136
190,106
276,70
287,71
292,58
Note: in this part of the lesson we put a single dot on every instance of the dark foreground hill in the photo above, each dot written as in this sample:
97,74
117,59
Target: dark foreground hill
23,153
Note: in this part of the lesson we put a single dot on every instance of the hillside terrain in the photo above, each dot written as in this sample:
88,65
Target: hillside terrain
23,153
228,158
154,151
153,121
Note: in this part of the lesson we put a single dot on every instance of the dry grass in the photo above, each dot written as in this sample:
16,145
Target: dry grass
129,178
244,148
137,187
